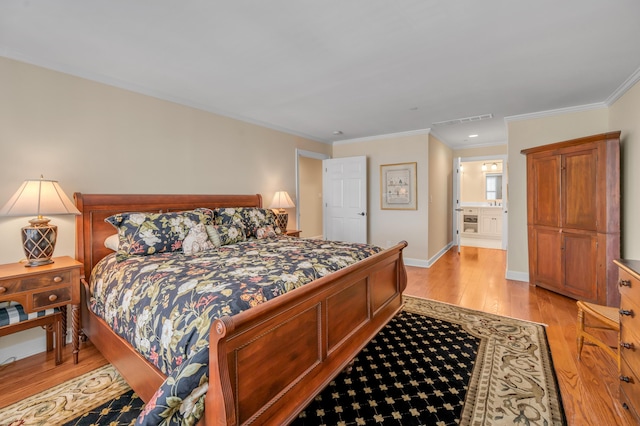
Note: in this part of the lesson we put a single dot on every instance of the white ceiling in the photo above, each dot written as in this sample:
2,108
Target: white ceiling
364,67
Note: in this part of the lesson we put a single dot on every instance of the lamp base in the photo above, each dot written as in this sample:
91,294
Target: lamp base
282,218
39,241
39,262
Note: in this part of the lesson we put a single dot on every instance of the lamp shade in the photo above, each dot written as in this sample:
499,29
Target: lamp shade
281,201
38,198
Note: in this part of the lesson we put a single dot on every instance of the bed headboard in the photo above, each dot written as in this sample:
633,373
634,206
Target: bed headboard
91,229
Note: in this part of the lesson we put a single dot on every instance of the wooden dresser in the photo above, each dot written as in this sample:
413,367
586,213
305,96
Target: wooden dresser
629,285
573,217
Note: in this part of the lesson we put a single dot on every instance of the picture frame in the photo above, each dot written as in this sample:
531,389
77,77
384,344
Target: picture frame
398,186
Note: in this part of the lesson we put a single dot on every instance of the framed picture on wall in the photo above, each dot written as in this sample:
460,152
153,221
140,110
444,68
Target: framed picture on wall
398,186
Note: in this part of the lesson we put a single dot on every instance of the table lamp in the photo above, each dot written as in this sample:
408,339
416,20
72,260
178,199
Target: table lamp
39,197
282,201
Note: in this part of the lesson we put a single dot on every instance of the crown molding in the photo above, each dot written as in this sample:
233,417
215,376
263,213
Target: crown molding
624,87
541,114
387,136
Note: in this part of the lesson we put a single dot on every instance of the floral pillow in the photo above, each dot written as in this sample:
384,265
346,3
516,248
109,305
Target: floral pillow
207,212
142,234
222,235
252,218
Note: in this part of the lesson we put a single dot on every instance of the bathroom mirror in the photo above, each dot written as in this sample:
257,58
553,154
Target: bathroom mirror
493,186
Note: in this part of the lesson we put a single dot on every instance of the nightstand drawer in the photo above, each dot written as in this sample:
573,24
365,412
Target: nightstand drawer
52,298
35,282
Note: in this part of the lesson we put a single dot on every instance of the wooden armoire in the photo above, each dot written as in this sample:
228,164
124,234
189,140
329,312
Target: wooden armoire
573,217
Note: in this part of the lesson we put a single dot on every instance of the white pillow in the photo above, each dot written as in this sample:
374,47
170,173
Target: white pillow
197,240
112,242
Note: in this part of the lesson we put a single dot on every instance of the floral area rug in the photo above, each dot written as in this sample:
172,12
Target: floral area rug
433,364
67,401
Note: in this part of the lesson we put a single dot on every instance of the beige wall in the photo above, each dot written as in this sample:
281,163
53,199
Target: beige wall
94,138
391,226
440,194
526,134
624,115
310,204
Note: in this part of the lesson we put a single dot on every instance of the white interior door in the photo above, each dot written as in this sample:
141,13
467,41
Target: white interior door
344,187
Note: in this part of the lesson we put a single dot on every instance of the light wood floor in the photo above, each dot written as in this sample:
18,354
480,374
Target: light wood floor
473,279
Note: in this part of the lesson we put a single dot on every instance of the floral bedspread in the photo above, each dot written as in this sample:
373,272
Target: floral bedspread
164,304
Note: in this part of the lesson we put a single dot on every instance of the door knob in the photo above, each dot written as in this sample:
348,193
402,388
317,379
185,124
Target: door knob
362,213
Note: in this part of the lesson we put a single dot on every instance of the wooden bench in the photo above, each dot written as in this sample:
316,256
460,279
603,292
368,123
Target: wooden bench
13,319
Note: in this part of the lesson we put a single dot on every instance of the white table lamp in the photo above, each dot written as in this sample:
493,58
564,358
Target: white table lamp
38,198
282,201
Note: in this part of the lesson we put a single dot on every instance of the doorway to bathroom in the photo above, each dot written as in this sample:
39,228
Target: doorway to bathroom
480,201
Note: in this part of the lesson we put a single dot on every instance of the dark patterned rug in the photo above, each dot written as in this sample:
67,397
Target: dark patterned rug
434,364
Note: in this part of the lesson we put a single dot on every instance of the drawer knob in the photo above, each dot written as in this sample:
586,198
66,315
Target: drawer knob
2,290
626,312
625,379
626,345
57,279
624,283
53,298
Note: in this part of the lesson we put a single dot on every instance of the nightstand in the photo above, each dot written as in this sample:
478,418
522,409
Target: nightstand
45,287
293,232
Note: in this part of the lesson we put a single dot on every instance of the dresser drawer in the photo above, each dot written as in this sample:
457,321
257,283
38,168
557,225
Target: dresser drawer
18,285
630,386
51,298
628,285
630,334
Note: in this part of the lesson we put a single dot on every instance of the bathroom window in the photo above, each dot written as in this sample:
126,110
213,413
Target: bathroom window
493,186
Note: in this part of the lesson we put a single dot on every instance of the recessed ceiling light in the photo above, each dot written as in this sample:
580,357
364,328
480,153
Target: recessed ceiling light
473,136
337,132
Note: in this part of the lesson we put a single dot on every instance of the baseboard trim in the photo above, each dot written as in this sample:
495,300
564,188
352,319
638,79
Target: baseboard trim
518,276
438,255
421,263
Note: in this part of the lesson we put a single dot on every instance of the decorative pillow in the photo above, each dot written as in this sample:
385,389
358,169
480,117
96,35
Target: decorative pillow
222,235
209,213
266,232
111,242
142,234
197,240
252,218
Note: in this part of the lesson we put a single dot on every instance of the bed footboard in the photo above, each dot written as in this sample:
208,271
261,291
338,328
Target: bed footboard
268,363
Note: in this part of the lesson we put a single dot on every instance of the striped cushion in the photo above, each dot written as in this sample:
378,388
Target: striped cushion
14,314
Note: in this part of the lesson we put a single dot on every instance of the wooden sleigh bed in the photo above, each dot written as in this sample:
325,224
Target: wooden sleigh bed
323,324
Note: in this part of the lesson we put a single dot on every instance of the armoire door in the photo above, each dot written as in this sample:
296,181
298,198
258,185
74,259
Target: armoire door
548,259
544,190
579,190
580,252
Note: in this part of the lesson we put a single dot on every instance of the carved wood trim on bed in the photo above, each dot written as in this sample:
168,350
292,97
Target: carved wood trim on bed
299,340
